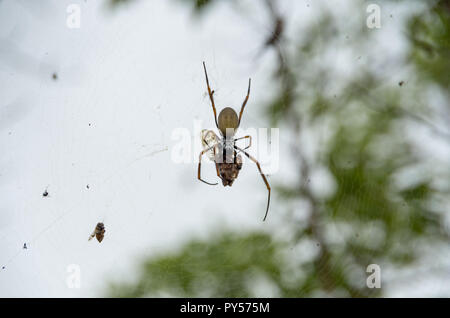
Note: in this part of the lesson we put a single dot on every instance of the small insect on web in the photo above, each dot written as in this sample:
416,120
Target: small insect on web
223,150
209,138
99,232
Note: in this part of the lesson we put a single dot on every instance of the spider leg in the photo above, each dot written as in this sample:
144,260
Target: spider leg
250,142
217,165
262,175
199,165
211,95
245,101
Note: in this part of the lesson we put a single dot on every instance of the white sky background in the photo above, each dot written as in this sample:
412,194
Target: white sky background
135,75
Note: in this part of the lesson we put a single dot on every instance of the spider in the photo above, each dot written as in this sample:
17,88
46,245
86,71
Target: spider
223,150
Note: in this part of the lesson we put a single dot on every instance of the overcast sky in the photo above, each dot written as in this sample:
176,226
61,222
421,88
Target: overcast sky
125,81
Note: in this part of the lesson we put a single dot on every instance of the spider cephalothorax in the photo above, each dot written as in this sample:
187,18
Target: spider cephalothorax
228,162
229,171
223,150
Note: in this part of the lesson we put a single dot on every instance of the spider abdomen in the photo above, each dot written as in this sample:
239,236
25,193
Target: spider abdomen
228,119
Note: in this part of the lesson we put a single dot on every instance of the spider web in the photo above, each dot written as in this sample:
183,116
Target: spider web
106,124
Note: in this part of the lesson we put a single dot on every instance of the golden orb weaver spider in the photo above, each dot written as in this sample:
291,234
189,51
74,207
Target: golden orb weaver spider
223,150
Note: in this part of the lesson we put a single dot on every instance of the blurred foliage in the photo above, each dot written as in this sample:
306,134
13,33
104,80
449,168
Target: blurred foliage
227,265
430,36
198,5
381,208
